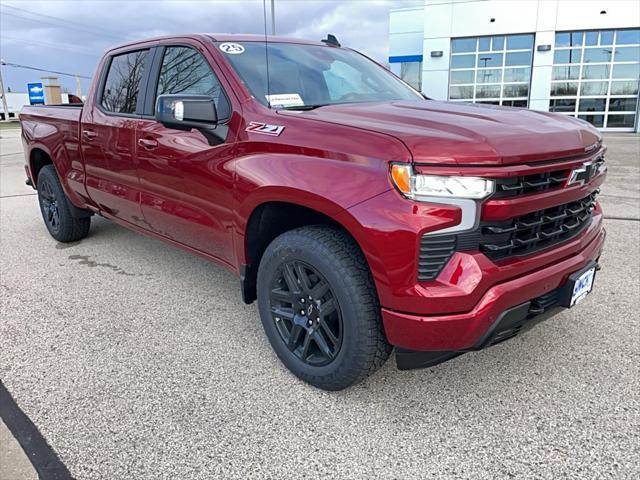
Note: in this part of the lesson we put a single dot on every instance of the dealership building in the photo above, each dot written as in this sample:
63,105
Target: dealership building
574,57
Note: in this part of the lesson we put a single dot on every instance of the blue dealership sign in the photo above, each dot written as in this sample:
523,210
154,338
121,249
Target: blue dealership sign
36,93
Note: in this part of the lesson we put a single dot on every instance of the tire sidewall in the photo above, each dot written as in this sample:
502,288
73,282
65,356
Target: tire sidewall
49,175
320,258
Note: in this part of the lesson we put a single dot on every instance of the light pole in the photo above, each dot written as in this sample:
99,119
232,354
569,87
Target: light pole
5,107
273,17
78,87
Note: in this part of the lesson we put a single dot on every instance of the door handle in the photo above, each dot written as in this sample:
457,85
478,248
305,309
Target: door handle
148,143
89,134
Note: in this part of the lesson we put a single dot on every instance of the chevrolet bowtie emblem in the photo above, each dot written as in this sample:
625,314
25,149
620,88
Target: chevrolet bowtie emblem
583,174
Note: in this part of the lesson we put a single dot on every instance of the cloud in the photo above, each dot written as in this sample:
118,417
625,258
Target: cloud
70,36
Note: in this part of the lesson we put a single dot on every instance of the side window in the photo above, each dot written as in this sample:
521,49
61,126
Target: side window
186,71
122,86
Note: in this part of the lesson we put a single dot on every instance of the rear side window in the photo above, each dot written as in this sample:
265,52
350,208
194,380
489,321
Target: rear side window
122,86
186,71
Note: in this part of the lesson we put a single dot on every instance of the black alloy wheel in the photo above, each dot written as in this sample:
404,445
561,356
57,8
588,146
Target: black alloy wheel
50,206
306,313
319,307
57,211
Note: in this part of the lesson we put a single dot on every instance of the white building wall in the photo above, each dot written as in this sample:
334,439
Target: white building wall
443,20
406,35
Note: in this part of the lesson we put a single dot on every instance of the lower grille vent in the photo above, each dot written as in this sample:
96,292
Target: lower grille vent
435,252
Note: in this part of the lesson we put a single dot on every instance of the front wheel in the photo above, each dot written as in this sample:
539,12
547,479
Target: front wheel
319,307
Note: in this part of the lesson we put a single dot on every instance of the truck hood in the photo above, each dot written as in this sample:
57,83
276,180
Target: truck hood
467,134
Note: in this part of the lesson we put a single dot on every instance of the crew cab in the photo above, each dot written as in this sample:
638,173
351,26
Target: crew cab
360,215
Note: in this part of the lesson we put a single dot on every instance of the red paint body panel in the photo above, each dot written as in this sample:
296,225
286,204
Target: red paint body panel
462,331
176,186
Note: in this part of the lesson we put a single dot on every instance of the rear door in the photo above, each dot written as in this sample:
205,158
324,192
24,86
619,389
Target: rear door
108,136
186,185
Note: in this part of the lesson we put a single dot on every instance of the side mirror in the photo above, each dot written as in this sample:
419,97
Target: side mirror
184,112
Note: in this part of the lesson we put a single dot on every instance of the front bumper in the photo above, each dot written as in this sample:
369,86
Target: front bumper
450,334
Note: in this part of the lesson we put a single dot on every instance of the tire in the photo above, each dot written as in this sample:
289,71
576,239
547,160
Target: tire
339,322
56,211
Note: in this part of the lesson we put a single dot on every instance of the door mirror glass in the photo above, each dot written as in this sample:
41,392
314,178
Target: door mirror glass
184,112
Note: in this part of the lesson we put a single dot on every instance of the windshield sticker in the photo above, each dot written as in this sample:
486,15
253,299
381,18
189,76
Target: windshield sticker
264,128
231,48
283,100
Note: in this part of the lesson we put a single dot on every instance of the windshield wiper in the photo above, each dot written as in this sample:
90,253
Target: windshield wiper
304,107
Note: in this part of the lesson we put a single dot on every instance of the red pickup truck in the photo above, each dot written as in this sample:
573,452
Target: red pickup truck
361,215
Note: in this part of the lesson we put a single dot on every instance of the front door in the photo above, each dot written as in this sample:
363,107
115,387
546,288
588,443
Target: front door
186,187
108,138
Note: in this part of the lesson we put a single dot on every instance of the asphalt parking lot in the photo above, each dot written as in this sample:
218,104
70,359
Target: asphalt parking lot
136,360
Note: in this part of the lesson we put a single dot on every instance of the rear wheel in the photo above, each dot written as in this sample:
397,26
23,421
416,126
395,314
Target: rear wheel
319,307
55,209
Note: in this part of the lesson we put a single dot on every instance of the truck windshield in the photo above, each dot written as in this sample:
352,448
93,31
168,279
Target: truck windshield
308,76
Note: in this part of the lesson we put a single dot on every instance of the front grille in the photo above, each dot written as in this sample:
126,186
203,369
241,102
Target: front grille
539,182
521,235
535,231
515,237
435,252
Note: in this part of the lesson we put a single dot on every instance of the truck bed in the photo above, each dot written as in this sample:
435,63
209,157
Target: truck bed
61,118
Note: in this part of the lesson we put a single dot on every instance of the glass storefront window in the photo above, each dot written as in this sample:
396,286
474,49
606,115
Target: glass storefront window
489,60
520,42
565,73
603,67
621,121
489,75
592,105
488,91
462,76
627,70
595,72
591,39
595,55
606,37
564,89
623,104
463,61
594,88
628,37
518,58
491,69
463,45
595,120
567,56
627,54
624,88
517,74
497,43
461,93
562,105
516,90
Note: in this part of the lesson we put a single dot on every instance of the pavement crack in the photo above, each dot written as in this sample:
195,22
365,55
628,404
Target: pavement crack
19,195
626,219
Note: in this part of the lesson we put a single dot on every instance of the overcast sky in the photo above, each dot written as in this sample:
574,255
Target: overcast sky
70,36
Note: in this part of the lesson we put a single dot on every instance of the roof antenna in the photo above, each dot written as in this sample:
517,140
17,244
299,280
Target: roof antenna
266,51
331,40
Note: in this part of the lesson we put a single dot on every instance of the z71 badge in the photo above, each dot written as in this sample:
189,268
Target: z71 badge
265,128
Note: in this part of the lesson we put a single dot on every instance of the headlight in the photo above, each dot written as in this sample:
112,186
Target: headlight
413,185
